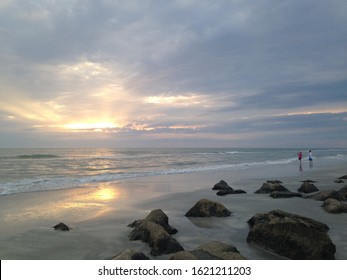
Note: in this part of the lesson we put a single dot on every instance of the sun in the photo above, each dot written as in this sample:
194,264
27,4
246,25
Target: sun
91,126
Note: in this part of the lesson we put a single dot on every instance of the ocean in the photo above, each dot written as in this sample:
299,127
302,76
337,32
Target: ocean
31,170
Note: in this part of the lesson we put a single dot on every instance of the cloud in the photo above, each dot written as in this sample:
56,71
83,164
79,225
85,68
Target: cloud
184,69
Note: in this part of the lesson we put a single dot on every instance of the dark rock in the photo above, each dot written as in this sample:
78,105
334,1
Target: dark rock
290,235
156,231
268,187
214,250
278,194
334,206
324,195
308,181
208,208
221,185
225,192
159,217
338,181
130,254
343,177
308,187
157,237
343,192
274,181
62,227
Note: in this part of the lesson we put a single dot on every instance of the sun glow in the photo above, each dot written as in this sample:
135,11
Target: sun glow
97,126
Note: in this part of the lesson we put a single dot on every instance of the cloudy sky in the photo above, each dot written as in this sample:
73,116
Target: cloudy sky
234,73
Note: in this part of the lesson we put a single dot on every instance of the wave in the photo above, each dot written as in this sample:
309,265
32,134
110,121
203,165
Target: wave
55,183
36,156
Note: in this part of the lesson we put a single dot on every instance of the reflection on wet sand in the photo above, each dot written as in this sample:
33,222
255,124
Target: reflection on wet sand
76,204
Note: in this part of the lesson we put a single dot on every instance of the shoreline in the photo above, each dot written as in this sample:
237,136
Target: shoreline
99,215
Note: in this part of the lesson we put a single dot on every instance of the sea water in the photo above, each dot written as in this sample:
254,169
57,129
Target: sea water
30,170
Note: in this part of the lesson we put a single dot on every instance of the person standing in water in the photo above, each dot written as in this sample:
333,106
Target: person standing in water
299,156
310,158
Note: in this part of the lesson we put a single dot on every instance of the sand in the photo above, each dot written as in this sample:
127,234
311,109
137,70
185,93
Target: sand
99,215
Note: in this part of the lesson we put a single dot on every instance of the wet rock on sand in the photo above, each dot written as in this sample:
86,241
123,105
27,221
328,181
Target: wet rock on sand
290,235
324,195
62,227
278,194
224,189
334,206
308,187
159,217
208,208
270,186
155,231
214,250
221,185
130,254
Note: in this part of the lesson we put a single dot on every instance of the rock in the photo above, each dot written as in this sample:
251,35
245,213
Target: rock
343,177
268,187
343,192
274,181
324,195
208,208
214,250
159,217
307,187
222,185
183,255
338,181
156,231
130,254
225,192
334,206
279,194
290,235
62,227
157,237
308,181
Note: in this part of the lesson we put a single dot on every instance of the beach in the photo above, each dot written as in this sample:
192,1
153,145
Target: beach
99,215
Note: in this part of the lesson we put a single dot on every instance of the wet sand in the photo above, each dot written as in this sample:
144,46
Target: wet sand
99,215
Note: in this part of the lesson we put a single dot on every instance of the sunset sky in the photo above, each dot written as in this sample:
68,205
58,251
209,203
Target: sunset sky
230,73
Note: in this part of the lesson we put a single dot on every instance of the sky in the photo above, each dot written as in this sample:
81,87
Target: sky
182,73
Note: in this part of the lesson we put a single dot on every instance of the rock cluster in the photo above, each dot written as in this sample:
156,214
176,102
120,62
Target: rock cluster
224,189
289,235
156,231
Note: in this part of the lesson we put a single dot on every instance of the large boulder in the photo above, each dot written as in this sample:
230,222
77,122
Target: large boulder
157,237
208,208
130,254
334,206
159,217
215,250
342,177
290,235
271,186
308,187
